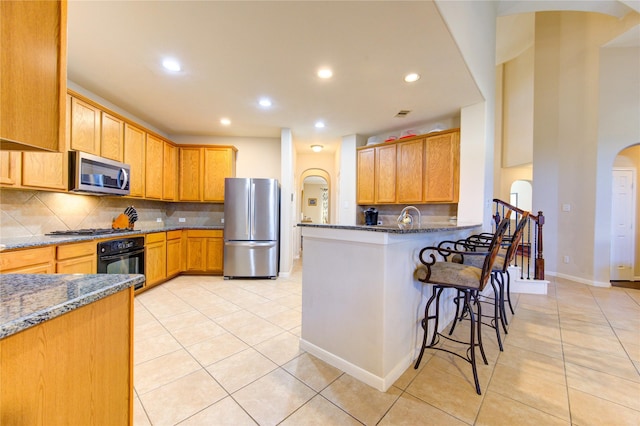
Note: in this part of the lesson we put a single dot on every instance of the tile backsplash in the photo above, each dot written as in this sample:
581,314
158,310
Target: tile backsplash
25,213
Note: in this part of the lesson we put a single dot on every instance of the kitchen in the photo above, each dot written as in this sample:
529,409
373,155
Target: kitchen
283,158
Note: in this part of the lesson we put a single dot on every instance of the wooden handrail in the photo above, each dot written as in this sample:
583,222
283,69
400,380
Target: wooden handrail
539,220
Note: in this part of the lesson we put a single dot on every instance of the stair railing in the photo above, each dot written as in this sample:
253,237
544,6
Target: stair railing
524,249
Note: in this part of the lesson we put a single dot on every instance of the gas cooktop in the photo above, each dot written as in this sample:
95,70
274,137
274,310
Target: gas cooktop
89,231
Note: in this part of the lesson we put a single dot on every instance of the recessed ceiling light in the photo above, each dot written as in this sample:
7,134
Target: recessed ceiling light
319,125
325,73
316,148
171,65
225,121
265,102
410,78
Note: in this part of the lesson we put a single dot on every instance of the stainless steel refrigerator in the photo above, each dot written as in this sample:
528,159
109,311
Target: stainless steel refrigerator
251,227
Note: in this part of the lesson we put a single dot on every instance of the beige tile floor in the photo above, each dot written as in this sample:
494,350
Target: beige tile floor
216,352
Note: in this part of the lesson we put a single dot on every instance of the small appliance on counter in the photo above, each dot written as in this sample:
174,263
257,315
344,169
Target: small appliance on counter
371,216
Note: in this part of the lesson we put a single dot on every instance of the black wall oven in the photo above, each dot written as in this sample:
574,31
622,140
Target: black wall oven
122,256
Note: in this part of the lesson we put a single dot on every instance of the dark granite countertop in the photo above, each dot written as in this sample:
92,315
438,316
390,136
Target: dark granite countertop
13,243
426,227
30,299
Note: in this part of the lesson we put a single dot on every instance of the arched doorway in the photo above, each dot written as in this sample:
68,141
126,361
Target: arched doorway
314,200
520,194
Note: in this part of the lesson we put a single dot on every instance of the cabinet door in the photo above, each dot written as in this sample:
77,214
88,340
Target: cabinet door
386,158
85,127
366,176
33,79
410,171
9,168
154,166
215,252
170,172
29,261
112,137
190,173
442,168
174,255
155,261
134,157
80,265
44,170
218,165
195,251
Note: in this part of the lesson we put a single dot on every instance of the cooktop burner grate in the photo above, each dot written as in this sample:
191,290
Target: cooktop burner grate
89,231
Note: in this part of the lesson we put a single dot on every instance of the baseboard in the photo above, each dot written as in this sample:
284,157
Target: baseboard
584,280
379,383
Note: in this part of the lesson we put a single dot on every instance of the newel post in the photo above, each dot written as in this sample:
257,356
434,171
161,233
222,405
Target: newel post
539,264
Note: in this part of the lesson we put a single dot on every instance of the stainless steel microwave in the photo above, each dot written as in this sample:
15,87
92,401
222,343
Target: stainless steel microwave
96,175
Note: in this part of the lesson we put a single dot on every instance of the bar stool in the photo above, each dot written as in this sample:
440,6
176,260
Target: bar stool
469,281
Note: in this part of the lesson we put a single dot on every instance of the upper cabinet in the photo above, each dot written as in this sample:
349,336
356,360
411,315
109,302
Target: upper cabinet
85,127
203,170
111,137
170,172
154,167
134,150
421,169
34,74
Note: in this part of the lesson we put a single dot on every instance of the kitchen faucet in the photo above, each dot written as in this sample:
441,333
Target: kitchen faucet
405,217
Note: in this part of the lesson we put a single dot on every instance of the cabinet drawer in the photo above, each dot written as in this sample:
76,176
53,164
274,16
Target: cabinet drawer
174,235
22,258
76,250
204,233
155,238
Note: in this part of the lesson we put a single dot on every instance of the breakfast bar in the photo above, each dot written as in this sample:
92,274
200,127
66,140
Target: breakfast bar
360,301
66,344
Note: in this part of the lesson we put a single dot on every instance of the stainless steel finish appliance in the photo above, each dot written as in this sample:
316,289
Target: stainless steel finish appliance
122,256
251,227
96,175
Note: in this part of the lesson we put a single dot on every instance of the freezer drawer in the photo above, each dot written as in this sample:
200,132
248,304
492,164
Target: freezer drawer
250,259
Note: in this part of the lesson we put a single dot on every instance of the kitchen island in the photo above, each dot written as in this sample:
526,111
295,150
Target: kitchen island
66,344
361,305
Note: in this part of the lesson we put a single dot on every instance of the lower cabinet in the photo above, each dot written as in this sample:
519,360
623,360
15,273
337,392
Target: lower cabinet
80,258
74,369
174,253
30,261
155,261
204,251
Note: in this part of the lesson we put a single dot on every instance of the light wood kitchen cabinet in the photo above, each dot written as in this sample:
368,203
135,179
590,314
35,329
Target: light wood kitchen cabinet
155,258
85,127
153,168
421,169
366,185
386,158
9,168
410,174
33,80
442,168
74,369
134,150
45,170
219,163
190,168
203,171
170,172
78,258
29,261
174,253
204,251
112,137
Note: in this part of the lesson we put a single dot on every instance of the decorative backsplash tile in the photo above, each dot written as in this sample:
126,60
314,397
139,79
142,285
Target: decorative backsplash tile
25,213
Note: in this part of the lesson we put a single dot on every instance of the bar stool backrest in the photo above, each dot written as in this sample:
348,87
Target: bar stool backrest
494,247
516,237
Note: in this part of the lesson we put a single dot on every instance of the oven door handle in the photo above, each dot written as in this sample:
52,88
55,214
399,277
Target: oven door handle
120,256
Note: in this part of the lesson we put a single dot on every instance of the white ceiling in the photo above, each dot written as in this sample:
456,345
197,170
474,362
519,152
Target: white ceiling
234,52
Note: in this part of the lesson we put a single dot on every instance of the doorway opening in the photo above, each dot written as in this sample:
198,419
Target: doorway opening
625,257
315,196
521,194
